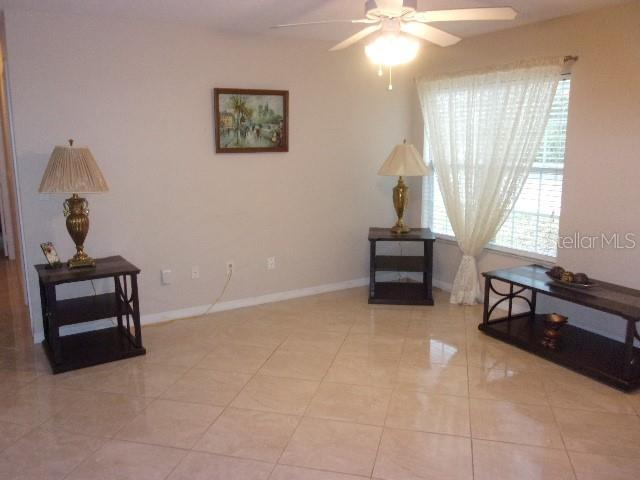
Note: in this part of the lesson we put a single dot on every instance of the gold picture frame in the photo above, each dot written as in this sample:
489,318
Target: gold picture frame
251,121
51,255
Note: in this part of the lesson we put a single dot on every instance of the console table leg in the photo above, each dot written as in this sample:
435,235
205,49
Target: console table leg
136,310
629,354
487,289
534,297
119,296
45,311
427,275
52,321
372,269
510,314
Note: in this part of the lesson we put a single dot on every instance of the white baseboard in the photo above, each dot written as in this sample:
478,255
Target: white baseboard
229,305
447,287
167,316
252,301
518,307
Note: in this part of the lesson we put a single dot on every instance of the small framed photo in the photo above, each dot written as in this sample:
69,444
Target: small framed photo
51,255
248,121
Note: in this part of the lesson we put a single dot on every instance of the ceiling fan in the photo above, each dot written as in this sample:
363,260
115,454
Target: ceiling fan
398,25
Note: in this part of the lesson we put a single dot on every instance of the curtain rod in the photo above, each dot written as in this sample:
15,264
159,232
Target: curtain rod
566,59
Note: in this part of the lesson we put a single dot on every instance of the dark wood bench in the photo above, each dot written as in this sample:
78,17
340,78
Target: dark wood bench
612,362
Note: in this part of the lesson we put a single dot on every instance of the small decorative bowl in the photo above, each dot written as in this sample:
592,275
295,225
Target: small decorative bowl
556,318
563,277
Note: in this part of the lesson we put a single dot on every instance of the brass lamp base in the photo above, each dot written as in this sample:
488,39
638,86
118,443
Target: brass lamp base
76,210
400,227
81,262
400,201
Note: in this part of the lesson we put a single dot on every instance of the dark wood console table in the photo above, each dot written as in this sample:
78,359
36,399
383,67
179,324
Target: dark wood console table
80,350
609,361
401,293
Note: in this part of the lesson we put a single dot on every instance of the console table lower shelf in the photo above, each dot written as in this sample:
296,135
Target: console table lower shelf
400,293
582,351
92,348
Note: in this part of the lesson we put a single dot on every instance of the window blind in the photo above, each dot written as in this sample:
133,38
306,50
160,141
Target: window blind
533,225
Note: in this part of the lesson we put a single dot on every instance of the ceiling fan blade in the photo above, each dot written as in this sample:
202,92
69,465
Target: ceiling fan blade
356,38
466,14
430,34
323,22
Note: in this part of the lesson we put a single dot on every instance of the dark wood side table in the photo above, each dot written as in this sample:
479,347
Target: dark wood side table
401,293
609,361
123,340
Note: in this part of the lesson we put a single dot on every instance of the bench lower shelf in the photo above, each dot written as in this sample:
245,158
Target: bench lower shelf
582,351
400,293
92,348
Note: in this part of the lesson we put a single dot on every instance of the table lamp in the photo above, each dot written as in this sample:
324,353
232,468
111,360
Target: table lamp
74,170
404,161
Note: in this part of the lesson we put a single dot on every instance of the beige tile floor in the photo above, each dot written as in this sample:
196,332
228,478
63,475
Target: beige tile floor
317,388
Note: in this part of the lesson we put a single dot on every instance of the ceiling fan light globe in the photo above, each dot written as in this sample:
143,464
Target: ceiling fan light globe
392,49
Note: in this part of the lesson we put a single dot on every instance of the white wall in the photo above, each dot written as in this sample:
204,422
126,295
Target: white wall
600,192
140,96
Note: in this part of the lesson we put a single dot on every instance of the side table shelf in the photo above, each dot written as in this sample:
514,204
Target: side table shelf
401,293
87,309
85,349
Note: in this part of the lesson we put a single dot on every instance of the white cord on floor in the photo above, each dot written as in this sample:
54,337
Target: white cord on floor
224,289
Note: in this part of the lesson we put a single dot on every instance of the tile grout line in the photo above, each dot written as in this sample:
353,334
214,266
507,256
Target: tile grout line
564,443
302,417
393,391
469,339
558,426
156,398
466,344
114,438
226,407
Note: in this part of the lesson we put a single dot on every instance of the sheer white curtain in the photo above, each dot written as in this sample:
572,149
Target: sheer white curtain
483,130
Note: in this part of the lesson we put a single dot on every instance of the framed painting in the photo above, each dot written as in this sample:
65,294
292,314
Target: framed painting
248,121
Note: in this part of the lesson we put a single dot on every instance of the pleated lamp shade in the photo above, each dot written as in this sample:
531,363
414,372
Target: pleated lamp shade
72,170
404,161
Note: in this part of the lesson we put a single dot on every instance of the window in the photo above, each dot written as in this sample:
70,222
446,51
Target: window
533,225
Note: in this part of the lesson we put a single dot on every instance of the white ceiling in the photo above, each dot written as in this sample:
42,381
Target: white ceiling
253,17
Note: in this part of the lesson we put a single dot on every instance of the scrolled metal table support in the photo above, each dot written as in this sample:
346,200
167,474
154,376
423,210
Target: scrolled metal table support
128,307
506,297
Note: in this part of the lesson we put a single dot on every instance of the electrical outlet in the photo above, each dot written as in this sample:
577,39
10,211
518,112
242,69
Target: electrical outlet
195,272
229,267
271,263
165,277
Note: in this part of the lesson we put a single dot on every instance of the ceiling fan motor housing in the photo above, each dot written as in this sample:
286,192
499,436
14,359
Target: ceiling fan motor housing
376,9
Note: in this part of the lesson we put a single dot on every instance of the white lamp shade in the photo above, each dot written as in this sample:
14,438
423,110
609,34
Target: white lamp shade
72,170
404,161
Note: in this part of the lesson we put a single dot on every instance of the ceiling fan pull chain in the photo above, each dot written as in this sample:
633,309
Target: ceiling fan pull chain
390,87
380,70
